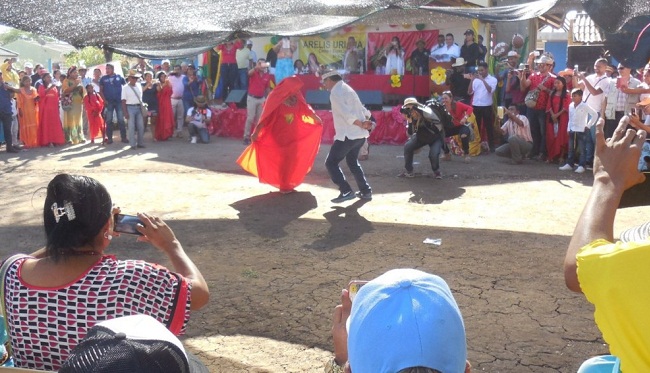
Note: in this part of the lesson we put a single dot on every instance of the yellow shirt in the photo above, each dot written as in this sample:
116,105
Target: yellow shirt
615,277
10,76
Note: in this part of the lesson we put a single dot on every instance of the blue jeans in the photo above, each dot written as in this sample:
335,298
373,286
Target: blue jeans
348,149
110,106
202,133
434,152
537,120
136,122
590,143
229,77
577,142
242,81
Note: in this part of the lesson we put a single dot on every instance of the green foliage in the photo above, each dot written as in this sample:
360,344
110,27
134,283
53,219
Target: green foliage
15,34
91,56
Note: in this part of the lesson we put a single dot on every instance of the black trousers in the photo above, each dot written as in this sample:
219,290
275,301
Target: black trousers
485,118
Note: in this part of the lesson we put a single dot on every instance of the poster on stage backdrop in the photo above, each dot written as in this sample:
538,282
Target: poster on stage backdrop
378,41
330,50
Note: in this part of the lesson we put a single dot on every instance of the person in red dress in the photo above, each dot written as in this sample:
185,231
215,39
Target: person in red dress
557,137
50,131
94,105
165,125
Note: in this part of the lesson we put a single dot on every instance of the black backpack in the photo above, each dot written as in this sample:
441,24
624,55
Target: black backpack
441,112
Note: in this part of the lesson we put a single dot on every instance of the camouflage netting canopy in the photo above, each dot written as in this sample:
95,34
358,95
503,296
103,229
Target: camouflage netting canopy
172,28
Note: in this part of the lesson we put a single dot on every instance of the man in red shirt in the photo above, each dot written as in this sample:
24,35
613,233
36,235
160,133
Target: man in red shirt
229,70
542,80
258,85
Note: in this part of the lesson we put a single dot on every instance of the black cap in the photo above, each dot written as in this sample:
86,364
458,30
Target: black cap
469,31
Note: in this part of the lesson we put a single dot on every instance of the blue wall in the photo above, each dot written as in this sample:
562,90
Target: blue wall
558,48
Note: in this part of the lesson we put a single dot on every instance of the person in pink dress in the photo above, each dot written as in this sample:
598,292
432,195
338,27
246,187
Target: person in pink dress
165,126
557,137
50,130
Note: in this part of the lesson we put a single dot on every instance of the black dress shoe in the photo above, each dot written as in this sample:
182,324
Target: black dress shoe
141,146
13,150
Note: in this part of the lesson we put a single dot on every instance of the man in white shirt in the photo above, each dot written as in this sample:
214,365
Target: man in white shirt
482,87
520,141
595,88
253,55
447,52
581,118
131,103
176,80
351,124
351,57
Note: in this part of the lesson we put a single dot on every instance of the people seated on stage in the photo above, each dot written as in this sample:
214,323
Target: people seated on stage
447,52
313,64
298,67
612,274
380,69
91,286
404,321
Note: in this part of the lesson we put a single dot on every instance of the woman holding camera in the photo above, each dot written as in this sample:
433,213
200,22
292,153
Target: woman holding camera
394,57
423,129
54,295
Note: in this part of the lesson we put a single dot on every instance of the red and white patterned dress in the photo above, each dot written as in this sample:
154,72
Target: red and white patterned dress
45,324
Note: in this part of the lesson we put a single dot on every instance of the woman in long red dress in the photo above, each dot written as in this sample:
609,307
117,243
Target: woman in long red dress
165,125
94,105
50,131
27,100
557,137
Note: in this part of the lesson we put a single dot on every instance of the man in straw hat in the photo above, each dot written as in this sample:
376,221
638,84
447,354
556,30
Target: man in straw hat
458,81
351,123
198,118
131,105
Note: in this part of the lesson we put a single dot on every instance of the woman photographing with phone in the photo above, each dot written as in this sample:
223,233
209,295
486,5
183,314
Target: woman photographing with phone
53,296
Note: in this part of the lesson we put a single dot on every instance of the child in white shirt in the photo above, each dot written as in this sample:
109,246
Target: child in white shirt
581,118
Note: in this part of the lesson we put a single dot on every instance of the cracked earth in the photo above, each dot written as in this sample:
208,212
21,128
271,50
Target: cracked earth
276,263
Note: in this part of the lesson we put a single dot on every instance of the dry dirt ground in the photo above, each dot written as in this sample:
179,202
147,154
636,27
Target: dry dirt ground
276,263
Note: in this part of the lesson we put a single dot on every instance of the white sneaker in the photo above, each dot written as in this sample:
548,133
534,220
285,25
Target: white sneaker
567,167
580,170
193,141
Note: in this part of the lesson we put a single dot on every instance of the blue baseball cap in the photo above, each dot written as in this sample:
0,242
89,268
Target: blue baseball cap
406,318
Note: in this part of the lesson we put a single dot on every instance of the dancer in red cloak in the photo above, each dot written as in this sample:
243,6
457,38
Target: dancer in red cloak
286,139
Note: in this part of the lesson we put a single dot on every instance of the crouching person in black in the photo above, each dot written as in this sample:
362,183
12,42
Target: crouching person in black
424,128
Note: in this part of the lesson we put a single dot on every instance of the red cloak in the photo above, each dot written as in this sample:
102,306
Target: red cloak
288,141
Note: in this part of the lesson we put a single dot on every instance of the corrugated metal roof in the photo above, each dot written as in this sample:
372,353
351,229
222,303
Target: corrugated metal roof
586,31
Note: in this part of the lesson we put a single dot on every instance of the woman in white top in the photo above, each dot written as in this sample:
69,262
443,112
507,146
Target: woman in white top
394,57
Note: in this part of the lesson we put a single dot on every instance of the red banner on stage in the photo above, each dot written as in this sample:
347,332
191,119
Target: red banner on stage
378,40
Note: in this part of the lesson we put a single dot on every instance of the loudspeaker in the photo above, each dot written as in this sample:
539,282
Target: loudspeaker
319,100
372,100
238,96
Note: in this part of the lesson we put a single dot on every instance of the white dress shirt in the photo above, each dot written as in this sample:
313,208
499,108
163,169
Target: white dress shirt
445,53
346,108
481,95
132,98
578,116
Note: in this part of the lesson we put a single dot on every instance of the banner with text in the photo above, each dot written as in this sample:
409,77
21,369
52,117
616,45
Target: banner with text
330,50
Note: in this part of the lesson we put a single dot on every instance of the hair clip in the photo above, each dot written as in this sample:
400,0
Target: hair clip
67,209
